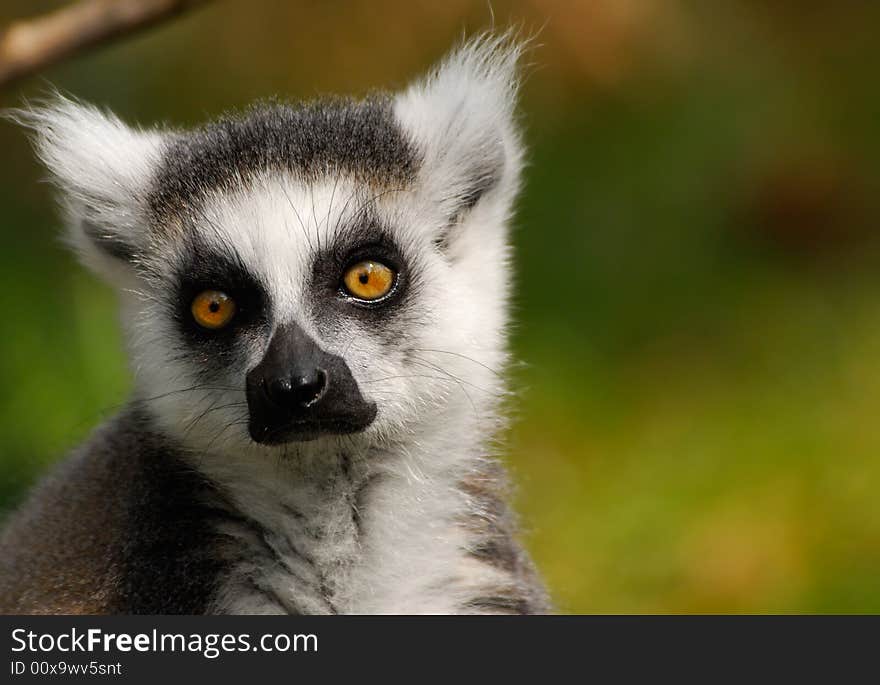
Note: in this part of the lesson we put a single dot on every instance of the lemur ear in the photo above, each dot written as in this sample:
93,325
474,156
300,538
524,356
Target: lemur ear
461,118
103,170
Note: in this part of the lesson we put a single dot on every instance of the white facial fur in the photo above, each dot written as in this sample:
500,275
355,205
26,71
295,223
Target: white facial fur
459,312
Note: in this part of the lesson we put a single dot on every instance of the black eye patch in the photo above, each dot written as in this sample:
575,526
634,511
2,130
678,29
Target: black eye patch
206,270
364,242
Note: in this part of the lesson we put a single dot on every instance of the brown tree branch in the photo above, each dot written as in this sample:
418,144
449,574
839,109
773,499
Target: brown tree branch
29,45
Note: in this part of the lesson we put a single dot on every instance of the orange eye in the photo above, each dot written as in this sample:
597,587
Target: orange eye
369,280
213,309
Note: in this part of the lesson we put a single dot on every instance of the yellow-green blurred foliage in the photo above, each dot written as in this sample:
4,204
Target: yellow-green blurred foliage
698,275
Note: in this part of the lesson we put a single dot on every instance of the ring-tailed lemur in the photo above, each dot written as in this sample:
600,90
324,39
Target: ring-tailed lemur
315,301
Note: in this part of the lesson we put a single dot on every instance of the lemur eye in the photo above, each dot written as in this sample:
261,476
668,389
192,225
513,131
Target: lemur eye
213,309
369,280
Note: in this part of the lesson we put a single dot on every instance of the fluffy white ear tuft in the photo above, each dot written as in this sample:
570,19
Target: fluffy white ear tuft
103,169
461,118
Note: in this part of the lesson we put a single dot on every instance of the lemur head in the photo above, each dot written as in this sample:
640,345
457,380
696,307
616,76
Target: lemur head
325,271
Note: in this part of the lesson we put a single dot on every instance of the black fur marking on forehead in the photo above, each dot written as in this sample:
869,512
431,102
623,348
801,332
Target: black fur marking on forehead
361,138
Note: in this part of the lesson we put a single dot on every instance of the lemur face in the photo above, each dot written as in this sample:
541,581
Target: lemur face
324,272
293,273
302,300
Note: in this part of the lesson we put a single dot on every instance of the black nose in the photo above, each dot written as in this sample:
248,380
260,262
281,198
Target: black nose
301,390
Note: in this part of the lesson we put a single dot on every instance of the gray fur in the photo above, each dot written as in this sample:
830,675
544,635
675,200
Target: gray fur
124,526
330,136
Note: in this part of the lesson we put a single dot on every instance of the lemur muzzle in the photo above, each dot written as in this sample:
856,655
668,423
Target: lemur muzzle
299,392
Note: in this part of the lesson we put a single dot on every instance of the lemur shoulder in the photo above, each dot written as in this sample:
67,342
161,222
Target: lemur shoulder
315,302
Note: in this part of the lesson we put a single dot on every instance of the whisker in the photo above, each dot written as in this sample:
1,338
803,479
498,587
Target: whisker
210,409
330,206
422,362
298,217
462,356
235,422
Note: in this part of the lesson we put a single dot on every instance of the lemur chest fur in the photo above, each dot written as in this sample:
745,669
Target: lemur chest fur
294,540
354,534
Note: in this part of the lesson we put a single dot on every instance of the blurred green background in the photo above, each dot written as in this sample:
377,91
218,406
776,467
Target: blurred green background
698,291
